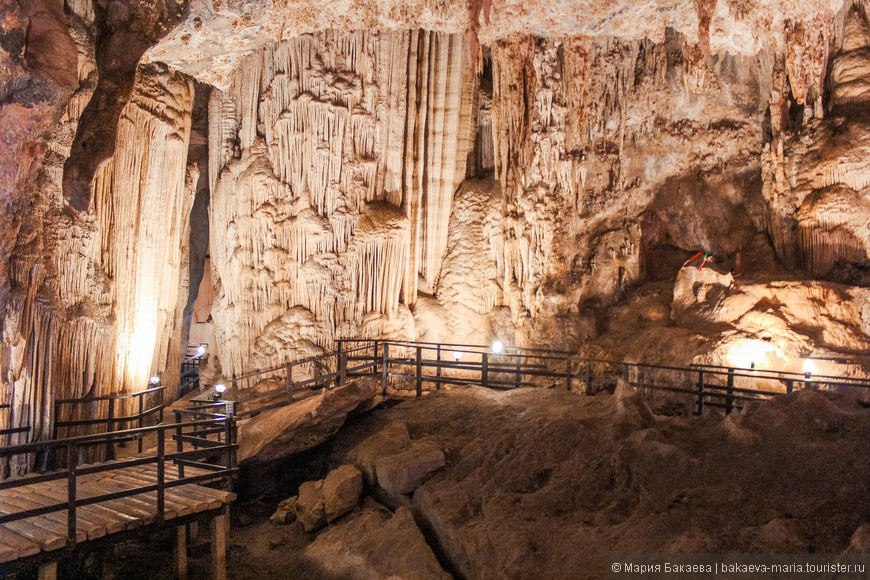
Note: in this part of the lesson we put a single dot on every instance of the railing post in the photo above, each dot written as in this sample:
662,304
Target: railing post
56,420
179,444
700,392
289,380
340,366
729,391
589,377
625,373
519,373
375,360
484,370
141,403
789,386
419,371
438,369
110,426
161,475
72,460
384,370
568,375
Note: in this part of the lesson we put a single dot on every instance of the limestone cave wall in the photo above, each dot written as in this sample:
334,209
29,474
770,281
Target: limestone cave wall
404,173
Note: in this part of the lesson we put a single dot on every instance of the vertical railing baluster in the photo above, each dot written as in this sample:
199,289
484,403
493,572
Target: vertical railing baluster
110,426
419,371
72,460
484,370
339,378
438,369
179,444
700,392
729,401
161,476
384,368
141,419
375,360
519,372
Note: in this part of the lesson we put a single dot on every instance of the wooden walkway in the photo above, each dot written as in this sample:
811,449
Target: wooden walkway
28,537
44,516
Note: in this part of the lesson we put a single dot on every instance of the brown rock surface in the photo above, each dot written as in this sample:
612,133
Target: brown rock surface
544,484
341,491
375,544
403,472
293,428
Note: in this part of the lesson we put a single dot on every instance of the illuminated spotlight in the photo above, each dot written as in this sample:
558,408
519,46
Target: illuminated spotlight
809,367
219,390
457,355
497,347
200,350
752,365
154,380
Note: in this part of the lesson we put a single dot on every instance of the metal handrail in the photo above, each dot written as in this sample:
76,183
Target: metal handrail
72,470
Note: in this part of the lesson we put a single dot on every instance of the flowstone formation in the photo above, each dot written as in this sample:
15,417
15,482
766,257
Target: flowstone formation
446,171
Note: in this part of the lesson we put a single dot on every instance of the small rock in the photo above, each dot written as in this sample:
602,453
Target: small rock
273,544
286,512
341,491
309,506
245,520
860,542
406,471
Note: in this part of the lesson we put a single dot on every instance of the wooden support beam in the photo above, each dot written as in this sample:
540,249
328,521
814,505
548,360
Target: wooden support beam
219,547
180,555
48,571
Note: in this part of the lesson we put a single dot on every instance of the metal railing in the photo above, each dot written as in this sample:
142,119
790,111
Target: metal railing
189,378
71,449
111,421
324,371
425,365
7,408
706,385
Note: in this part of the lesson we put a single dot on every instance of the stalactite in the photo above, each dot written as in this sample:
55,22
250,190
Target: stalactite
345,123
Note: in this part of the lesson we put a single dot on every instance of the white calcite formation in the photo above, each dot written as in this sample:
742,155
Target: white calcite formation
410,170
816,179
334,158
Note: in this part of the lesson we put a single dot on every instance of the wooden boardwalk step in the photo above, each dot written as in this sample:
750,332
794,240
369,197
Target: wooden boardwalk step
13,546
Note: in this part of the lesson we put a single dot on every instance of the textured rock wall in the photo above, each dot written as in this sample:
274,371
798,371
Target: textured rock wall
334,159
816,172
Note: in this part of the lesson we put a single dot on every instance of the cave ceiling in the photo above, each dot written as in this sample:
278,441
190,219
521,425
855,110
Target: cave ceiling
217,34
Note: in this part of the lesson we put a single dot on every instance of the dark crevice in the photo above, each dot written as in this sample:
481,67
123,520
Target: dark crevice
431,536
123,33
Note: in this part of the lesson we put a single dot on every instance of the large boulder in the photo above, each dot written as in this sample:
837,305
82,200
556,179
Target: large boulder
365,548
281,432
309,505
341,491
387,441
403,472
323,501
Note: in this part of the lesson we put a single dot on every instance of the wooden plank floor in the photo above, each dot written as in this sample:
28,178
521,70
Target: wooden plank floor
27,537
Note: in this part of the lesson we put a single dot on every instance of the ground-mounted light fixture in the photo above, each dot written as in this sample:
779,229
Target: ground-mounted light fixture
154,380
200,350
457,355
497,346
219,390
